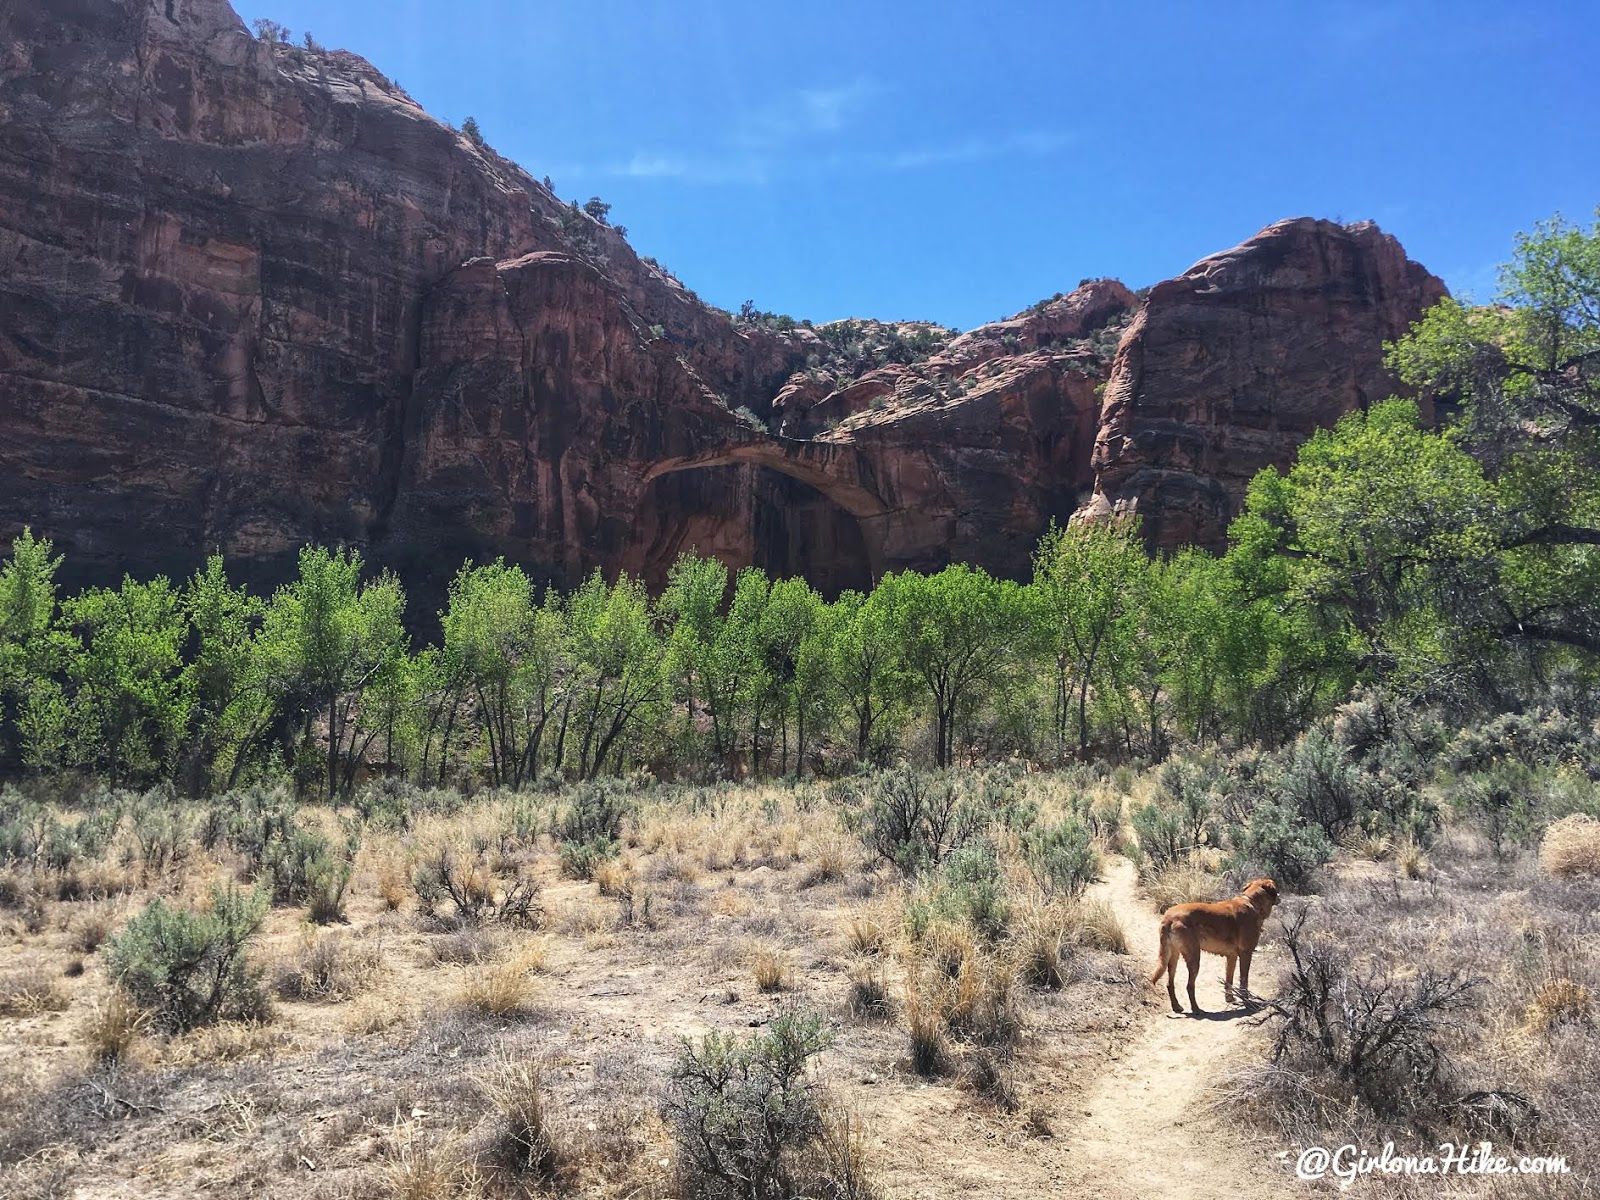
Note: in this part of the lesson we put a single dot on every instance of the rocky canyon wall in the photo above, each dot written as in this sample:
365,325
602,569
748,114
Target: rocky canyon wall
253,296
1232,365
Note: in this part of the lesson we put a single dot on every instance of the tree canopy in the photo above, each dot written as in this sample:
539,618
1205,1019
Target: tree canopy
1445,544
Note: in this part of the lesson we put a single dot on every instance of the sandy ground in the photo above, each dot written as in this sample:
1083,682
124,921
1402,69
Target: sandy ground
311,1105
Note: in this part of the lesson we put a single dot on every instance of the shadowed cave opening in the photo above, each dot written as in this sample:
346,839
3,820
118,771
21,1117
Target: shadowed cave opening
745,513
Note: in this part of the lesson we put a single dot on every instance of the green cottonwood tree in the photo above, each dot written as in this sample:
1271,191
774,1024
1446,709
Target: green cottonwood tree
507,649
958,631
864,658
32,703
326,639
691,605
620,663
222,620
130,702
1525,375
793,675
1086,577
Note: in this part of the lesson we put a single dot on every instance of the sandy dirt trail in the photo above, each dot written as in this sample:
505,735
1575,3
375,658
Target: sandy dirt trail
1145,1131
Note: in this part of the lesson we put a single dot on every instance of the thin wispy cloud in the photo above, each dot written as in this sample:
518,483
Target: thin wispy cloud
788,140
807,113
1026,145
689,169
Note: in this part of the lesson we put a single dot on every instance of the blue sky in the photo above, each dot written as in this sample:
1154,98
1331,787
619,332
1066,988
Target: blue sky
955,162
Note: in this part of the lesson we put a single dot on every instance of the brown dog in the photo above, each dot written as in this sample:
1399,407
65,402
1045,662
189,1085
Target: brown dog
1230,928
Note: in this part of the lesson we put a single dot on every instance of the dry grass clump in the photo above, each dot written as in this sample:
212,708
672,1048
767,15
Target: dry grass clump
95,928
422,1170
29,895
867,996
29,993
988,1073
1558,1002
983,1002
864,933
723,850
115,1029
770,968
374,1014
839,1164
830,858
925,1026
1410,860
470,945
672,867
614,877
1284,1098
505,989
1094,923
332,967
394,883
229,1041
1374,847
1040,943
959,990
1182,883
586,917
525,1141
498,991
1571,847
14,888
782,846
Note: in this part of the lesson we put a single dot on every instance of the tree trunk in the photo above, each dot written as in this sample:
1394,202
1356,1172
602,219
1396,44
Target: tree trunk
561,737
334,738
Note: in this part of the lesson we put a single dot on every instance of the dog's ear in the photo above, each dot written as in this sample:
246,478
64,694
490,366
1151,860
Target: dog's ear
1269,888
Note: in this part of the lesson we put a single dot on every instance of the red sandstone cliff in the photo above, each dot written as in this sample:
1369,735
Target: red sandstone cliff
1231,366
253,296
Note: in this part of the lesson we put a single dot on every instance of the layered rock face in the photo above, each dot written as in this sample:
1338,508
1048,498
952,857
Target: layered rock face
216,256
1231,366
251,296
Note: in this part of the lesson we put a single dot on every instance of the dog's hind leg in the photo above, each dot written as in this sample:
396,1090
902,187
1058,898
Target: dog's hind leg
1169,964
1191,958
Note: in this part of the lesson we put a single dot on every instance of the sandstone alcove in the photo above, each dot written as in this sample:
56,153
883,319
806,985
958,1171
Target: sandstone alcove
744,512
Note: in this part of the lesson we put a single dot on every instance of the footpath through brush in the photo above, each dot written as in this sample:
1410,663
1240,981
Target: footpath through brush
1145,1129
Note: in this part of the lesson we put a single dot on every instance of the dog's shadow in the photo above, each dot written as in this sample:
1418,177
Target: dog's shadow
1227,1014
1234,1013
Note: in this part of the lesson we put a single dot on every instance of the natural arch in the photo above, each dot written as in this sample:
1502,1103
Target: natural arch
839,472
747,513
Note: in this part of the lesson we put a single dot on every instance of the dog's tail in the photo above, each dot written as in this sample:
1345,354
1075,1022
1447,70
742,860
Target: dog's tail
1161,954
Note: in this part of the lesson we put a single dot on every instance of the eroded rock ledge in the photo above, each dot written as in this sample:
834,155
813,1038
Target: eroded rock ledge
253,296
